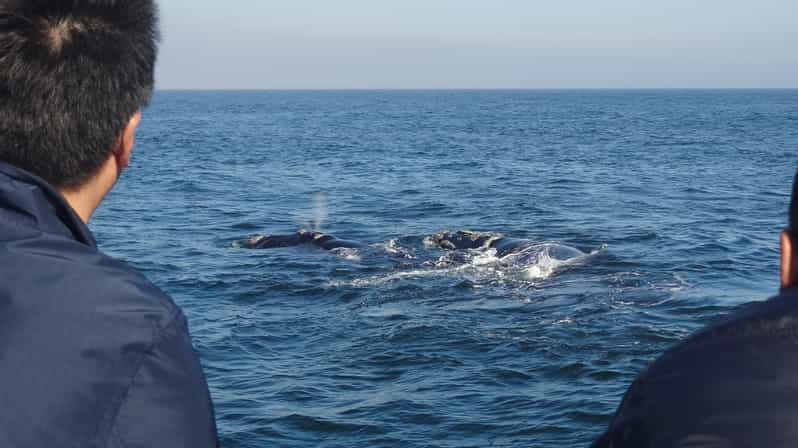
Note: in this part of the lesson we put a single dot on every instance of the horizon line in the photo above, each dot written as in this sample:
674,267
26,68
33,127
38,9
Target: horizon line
444,89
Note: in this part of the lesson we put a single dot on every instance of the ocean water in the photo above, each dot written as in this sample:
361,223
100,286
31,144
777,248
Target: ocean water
675,197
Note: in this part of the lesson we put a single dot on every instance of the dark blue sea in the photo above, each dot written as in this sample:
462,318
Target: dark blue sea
675,197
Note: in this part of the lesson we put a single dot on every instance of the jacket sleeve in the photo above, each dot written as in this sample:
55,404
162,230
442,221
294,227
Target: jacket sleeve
168,403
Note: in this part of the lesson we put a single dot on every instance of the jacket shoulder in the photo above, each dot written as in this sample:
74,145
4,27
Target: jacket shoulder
76,326
720,382
67,273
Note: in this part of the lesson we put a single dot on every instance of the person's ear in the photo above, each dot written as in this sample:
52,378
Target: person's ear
789,260
126,142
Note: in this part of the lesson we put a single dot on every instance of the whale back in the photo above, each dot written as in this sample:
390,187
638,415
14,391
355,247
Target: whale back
507,246
463,239
316,239
329,242
276,241
541,257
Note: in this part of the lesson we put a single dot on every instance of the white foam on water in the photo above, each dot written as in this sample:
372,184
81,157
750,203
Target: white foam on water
430,243
394,248
482,267
246,242
383,279
348,253
485,257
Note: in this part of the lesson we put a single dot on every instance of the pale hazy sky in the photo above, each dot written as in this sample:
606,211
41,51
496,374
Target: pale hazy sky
298,44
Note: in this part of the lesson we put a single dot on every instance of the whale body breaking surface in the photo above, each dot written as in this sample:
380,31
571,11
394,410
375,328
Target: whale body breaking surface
464,250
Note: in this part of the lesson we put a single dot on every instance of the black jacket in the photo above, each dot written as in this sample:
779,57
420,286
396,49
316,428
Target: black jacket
733,384
91,353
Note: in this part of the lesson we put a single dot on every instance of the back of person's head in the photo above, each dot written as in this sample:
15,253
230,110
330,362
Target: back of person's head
72,74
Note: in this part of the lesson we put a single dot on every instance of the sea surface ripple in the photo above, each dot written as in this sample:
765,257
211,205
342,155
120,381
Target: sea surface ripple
678,195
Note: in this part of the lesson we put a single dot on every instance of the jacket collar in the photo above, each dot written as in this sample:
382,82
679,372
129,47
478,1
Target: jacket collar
39,205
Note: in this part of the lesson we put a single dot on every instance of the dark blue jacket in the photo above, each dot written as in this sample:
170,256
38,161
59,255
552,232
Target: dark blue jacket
733,384
91,353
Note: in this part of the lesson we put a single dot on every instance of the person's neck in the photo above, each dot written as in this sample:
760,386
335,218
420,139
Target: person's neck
85,199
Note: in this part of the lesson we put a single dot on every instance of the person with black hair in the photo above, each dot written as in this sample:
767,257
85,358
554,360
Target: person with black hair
91,353
732,384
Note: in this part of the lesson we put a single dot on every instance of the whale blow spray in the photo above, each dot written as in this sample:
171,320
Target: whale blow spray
319,211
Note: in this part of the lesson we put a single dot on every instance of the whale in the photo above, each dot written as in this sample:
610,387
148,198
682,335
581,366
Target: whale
303,237
474,254
509,251
521,250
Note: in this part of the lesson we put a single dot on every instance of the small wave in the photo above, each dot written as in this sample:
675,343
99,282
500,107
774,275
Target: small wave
383,279
325,426
385,313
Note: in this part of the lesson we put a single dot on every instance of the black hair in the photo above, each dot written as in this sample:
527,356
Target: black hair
794,207
72,74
